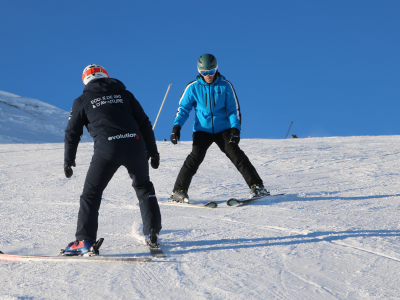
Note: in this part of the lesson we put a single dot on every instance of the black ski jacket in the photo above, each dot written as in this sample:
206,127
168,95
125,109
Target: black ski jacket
113,117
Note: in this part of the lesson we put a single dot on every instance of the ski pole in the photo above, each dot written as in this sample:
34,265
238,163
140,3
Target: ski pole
155,122
288,130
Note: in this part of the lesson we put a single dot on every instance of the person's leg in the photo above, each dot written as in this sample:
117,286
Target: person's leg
101,170
238,158
201,142
138,169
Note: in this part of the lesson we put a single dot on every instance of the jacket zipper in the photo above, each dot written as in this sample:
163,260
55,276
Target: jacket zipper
212,116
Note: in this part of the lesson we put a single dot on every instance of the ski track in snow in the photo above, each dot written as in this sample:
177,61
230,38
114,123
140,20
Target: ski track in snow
334,235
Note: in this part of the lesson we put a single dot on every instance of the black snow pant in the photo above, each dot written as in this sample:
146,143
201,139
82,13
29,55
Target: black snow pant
101,170
201,142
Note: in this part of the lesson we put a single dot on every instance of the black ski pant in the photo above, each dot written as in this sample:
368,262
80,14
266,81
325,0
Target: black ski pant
101,170
201,142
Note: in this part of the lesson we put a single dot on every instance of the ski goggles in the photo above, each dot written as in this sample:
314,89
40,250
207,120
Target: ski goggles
208,73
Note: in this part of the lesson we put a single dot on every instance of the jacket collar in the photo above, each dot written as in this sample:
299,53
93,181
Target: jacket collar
104,85
202,82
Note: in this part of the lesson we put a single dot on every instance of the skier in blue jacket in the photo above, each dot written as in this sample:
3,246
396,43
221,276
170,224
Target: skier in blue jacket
218,120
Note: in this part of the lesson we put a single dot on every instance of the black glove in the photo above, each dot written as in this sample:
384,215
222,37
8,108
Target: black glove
235,136
176,134
68,170
155,160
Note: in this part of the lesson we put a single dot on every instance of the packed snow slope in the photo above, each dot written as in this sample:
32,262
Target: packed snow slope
25,120
334,235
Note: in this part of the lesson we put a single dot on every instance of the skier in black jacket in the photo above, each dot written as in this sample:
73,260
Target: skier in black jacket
122,135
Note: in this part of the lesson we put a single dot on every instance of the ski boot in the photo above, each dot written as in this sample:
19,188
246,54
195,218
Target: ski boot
82,248
152,243
258,190
151,239
179,196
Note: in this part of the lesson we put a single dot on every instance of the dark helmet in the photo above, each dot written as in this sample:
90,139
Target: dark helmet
207,62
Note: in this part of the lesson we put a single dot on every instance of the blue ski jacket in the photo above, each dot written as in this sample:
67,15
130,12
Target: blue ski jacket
216,105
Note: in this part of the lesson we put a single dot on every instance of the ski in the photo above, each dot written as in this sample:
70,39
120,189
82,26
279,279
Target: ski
211,204
95,258
92,255
241,202
156,251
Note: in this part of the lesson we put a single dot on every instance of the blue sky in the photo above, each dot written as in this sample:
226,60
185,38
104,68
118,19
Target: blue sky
331,67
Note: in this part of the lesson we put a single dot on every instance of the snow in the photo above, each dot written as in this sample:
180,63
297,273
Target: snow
334,235
26,120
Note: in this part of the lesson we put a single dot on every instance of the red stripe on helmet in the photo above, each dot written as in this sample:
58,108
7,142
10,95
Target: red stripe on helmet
94,70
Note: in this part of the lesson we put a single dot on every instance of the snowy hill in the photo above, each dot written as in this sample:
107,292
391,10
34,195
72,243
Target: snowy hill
25,120
334,235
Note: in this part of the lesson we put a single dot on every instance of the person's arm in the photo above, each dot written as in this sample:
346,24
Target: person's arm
77,120
233,107
185,106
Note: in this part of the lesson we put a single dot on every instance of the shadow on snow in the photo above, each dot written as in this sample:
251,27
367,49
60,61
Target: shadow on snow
315,237
319,197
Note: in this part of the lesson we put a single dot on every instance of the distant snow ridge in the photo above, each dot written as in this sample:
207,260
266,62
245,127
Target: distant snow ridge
25,120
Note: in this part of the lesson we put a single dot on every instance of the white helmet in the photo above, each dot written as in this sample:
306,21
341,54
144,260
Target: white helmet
93,71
